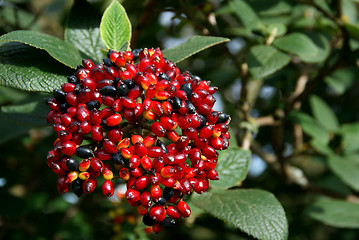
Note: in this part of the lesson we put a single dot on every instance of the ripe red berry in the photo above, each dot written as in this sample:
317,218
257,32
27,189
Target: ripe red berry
108,188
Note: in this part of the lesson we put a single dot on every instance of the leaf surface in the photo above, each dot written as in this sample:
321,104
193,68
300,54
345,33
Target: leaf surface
192,46
84,31
115,27
64,52
257,213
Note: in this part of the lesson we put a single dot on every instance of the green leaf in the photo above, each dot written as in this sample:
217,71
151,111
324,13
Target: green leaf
353,30
349,10
347,169
323,113
350,137
271,7
33,113
63,52
264,60
84,32
232,167
246,14
30,69
279,28
257,213
310,126
115,26
342,79
298,44
10,129
336,213
192,46
322,45
321,147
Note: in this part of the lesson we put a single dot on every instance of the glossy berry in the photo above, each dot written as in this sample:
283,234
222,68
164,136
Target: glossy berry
137,117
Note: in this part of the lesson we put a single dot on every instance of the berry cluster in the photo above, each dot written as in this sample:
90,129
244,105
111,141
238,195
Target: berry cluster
137,115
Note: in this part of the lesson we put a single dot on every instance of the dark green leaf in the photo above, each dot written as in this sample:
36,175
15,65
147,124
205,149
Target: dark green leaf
18,17
323,113
322,45
232,167
310,126
11,95
353,30
350,137
342,79
336,213
264,60
192,46
84,32
64,52
33,113
271,7
246,14
30,69
115,26
256,212
10,129
298,44
347,169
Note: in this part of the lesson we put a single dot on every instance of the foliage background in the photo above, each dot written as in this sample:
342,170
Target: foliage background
294,104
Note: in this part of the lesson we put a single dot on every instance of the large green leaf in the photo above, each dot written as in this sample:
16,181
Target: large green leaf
257,213
30,69
298,44
115,26
336,213
350,137
264,60
192,46
246,14
347,169
310,126
64,52
232,167
323,113
84,32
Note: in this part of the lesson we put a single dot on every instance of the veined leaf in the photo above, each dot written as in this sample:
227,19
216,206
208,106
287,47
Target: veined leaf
84,31
115,27
30,69
192,46
232,167
64,52
257,213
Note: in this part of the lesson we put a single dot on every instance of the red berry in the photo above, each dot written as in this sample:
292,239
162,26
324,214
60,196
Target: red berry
108,188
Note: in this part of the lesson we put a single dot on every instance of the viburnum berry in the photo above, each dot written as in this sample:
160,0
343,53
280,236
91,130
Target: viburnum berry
135,116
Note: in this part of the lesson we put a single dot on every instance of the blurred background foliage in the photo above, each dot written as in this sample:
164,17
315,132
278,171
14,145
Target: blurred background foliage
288,78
